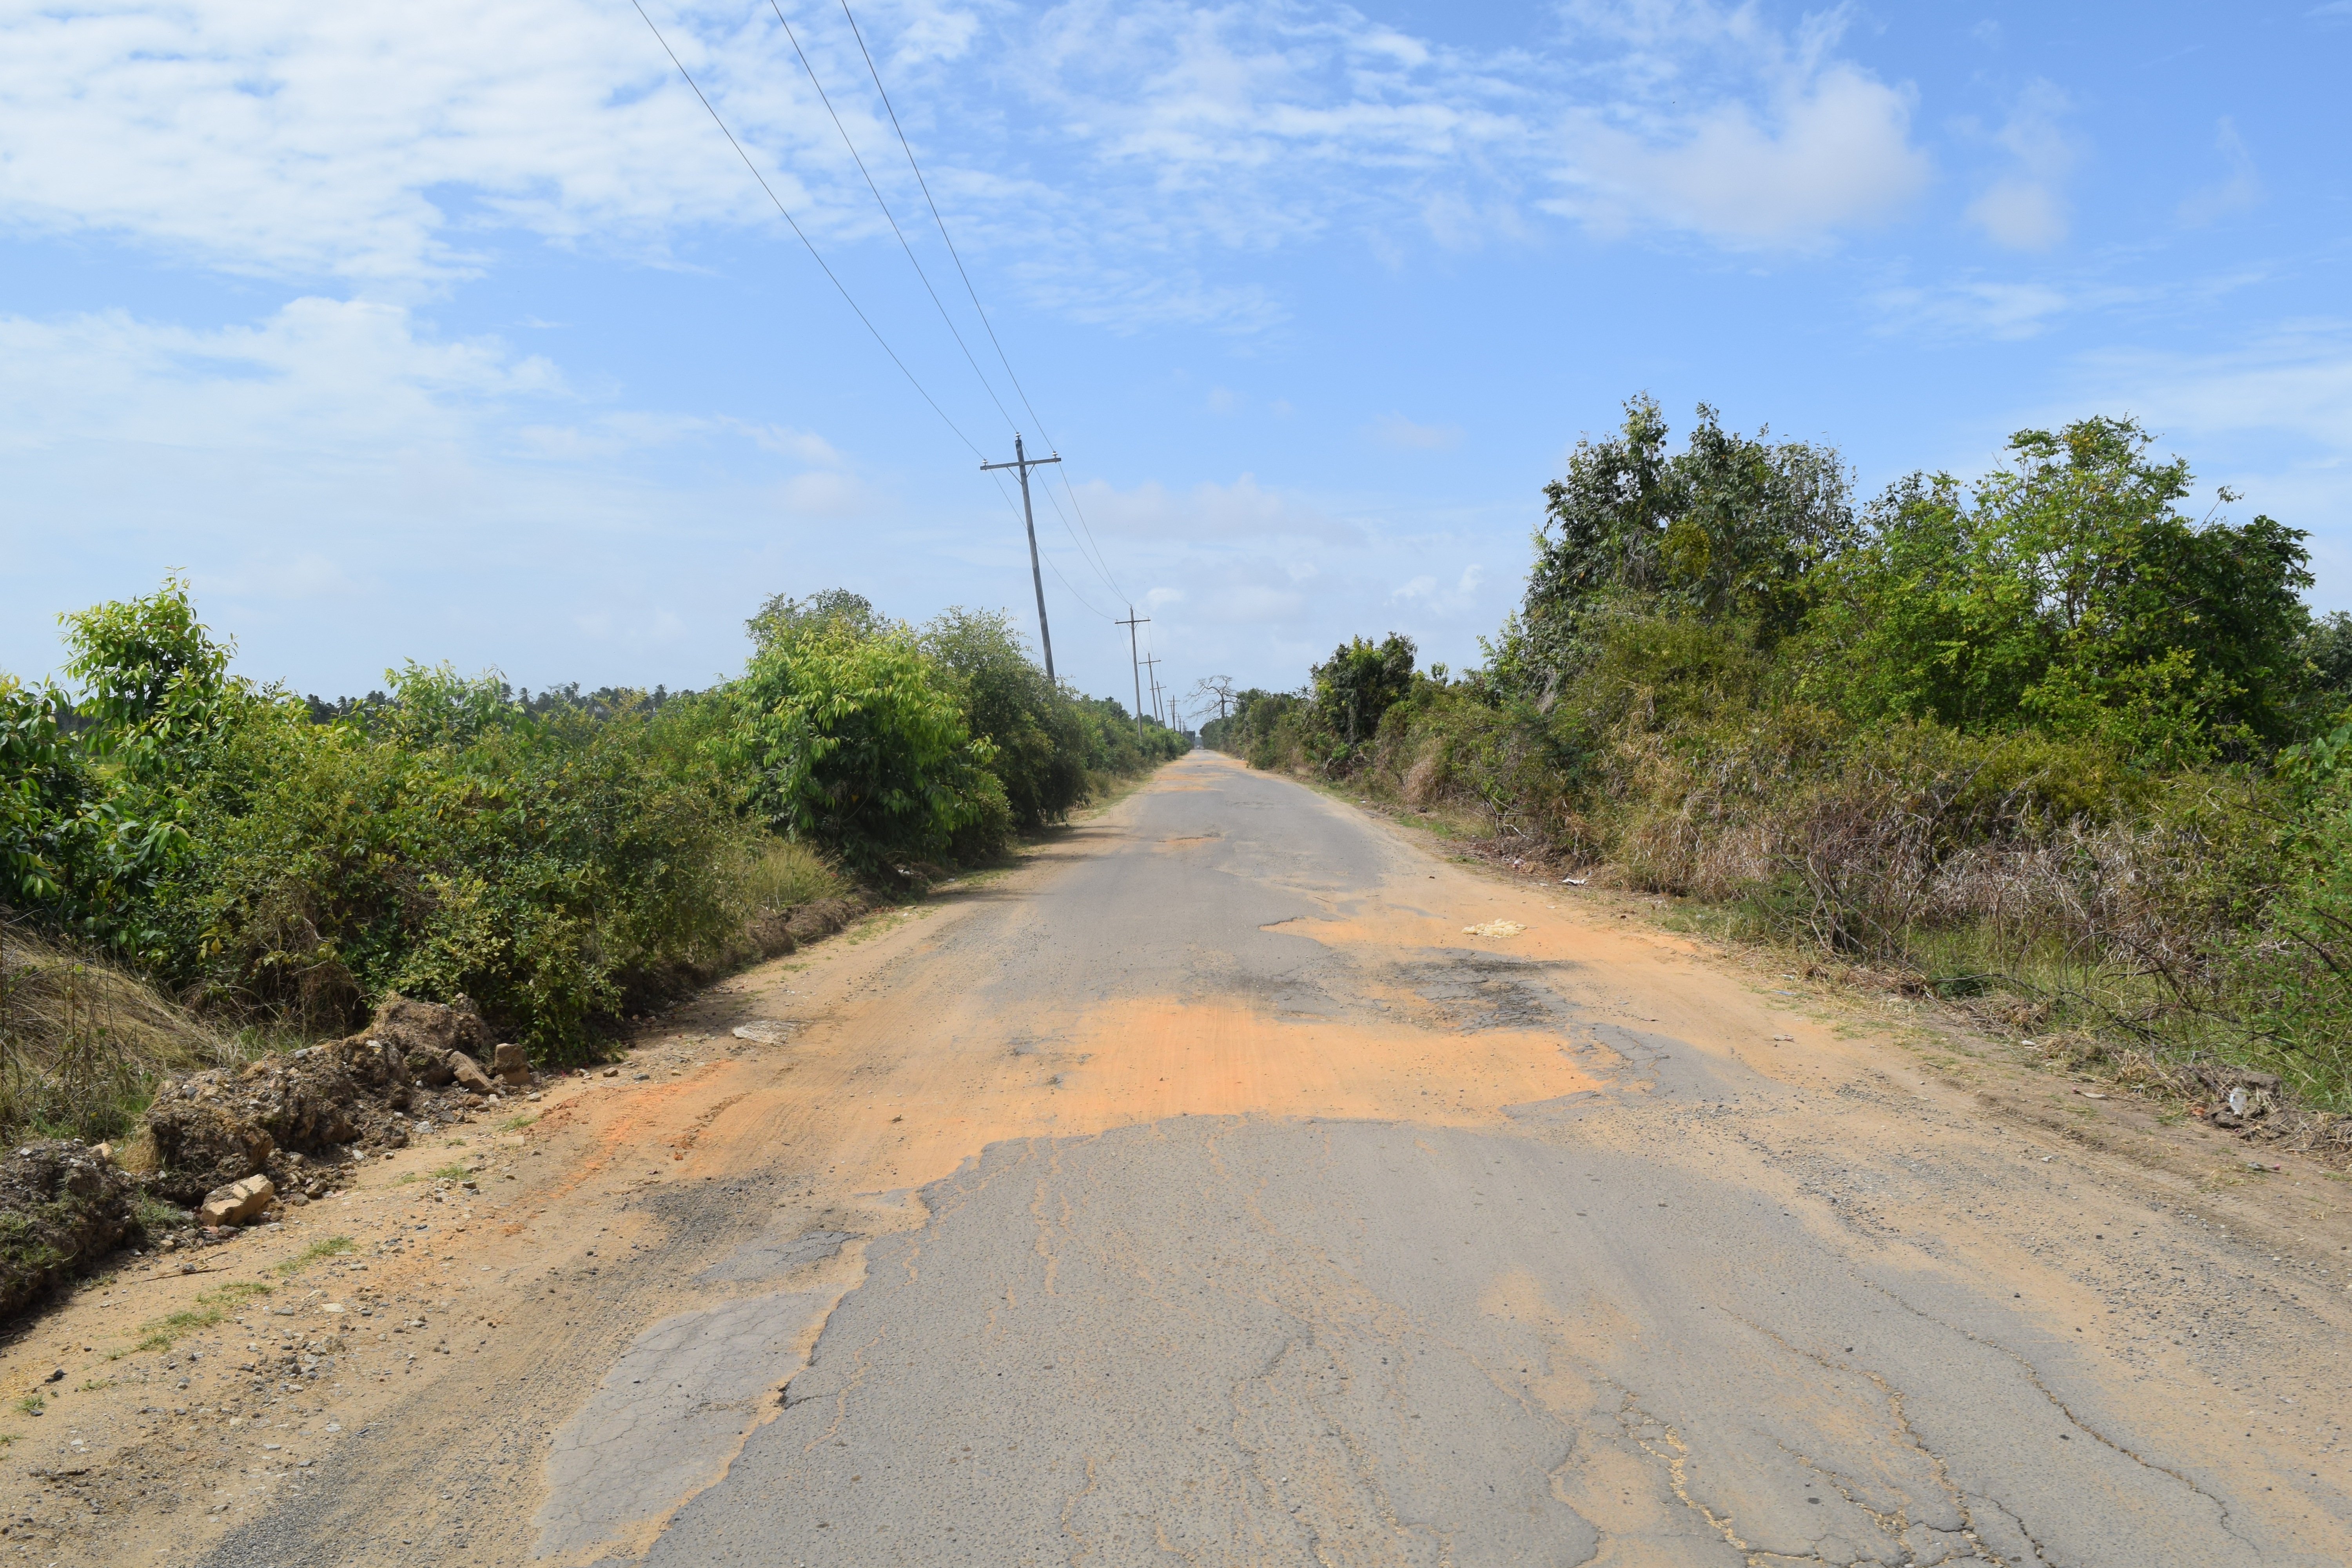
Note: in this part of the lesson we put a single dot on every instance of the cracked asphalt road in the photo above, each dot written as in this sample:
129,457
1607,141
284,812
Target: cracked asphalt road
1202,1193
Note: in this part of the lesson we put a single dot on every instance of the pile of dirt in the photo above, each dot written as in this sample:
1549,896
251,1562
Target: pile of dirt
62,1206
301,1118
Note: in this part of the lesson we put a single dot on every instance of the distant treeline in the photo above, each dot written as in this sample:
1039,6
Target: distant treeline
561,858
601,703
2044,740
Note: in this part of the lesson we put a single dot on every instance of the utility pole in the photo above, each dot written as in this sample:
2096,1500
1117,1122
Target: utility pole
1155,689
1131,623
1025,462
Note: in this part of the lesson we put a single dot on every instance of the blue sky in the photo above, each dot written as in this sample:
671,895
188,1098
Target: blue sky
454,331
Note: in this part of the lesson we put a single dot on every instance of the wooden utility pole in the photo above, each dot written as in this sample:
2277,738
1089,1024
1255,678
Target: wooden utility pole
1131,623
1022,462
1155,689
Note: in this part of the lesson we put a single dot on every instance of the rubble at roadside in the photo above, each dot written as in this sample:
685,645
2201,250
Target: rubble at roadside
228,1147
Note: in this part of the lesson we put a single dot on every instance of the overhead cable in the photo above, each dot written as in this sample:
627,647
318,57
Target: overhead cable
846,297
824,98
1101,566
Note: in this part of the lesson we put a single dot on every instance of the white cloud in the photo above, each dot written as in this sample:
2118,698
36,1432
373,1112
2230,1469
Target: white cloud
2296,381
2023,215
379,143
1396,430
1719,124
1419,588
395,148
1973,308
2026,209
2241,192
317,374
1829,152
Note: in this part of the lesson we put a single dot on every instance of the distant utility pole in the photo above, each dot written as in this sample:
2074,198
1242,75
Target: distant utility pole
1022,462
1131,623
1155,689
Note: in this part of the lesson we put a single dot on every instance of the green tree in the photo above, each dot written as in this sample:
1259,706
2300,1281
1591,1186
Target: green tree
856,740
1732,526
1038,742
1358,683
782,615
2068,592
155,684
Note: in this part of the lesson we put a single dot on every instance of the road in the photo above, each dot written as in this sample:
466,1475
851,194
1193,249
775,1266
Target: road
1204,1193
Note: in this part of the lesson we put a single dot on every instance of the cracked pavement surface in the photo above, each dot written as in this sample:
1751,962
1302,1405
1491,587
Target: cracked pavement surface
1201,1193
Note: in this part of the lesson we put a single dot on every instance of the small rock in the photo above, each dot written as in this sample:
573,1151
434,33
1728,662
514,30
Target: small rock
612,1072
237,1202
470,1074
511,1064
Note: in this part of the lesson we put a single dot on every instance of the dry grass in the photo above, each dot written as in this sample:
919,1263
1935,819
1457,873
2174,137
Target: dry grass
783,876
82,1043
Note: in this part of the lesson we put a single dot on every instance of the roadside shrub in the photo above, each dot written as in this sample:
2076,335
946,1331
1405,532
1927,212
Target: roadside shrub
857,741
1037,744
2042,739
551,867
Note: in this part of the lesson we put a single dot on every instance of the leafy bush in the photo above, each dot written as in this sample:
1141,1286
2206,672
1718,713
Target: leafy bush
855,740
2043,736
1037,743
559,861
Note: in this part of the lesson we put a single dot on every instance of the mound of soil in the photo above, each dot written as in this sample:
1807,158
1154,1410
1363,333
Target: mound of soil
62,1207
297,1117
410,1026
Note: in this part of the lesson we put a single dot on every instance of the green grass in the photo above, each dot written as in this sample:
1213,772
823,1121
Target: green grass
93,1384
453,1172
408,1176
331,1246
784,875
154,1216
32,1405
517,1123
161,1333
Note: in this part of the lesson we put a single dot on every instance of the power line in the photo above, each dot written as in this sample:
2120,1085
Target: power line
891,218
851,301
1050,564
940,305
1100,565
1101,571
846,297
